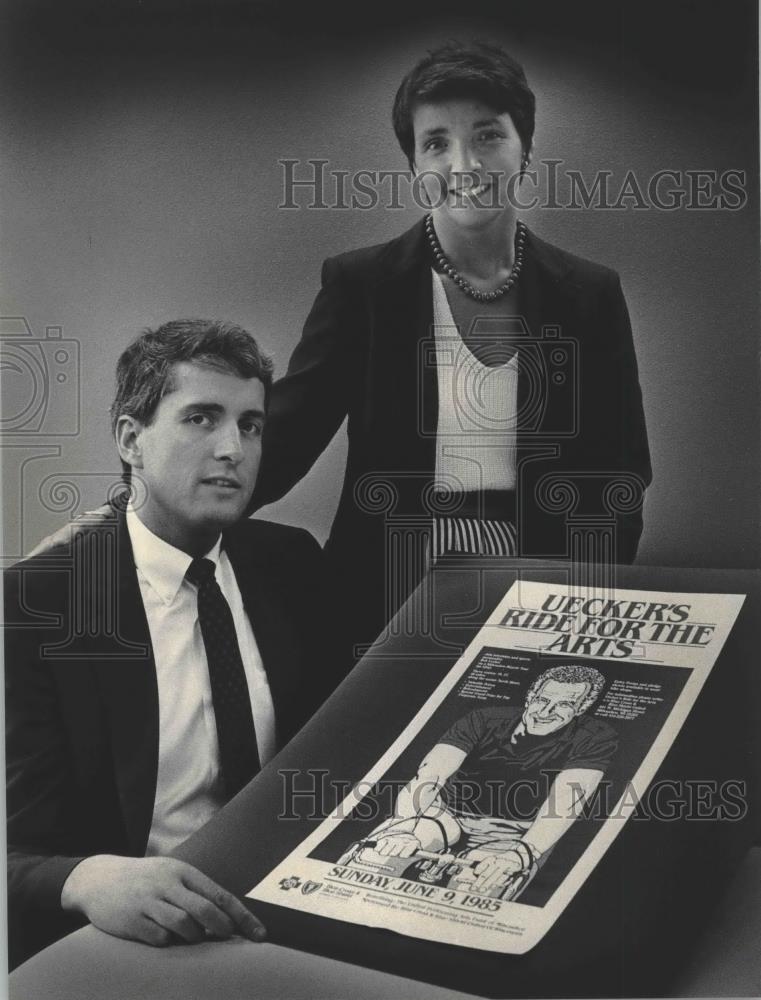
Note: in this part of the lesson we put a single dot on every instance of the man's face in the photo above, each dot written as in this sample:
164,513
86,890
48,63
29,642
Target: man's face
553,706
199,456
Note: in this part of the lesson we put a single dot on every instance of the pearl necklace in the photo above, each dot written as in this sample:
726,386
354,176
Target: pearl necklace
443,263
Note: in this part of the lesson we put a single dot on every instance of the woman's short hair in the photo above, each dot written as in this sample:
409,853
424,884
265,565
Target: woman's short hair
479,71
145,369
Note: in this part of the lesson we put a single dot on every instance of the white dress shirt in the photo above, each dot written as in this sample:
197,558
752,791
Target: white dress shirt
188,787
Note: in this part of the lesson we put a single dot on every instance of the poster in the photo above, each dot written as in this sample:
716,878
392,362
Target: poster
486,815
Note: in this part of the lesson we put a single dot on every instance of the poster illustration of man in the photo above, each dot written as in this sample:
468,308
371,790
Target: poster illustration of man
465,795
510,777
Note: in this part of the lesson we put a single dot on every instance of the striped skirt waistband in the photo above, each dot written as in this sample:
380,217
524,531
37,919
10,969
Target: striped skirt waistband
479,524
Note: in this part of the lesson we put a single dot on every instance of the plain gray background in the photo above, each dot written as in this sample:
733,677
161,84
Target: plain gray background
141,182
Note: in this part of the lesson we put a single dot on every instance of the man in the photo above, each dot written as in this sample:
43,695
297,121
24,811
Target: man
486,782
158,662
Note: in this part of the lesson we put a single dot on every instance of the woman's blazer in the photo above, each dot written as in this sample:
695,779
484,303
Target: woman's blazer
367,353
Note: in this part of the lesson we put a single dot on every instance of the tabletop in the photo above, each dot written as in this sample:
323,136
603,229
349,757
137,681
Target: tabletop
631,930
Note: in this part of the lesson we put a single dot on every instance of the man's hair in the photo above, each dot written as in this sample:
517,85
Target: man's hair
571,673
479,71
144,370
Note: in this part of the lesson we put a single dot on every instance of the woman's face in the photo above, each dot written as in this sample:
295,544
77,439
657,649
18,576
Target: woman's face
468,158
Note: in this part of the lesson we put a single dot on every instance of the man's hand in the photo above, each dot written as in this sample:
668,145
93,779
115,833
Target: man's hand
496,870
397,845
64,535
158,901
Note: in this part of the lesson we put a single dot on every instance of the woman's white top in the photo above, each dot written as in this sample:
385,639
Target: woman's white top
475,435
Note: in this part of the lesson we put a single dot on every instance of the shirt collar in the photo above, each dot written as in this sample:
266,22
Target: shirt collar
161,564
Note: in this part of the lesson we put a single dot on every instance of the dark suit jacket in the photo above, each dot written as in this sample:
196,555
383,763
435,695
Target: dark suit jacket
367,352
82,699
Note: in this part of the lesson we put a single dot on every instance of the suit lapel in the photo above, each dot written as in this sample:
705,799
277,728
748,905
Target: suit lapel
546,296
404,370
129,692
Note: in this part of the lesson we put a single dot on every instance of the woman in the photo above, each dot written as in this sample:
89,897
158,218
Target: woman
489,378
